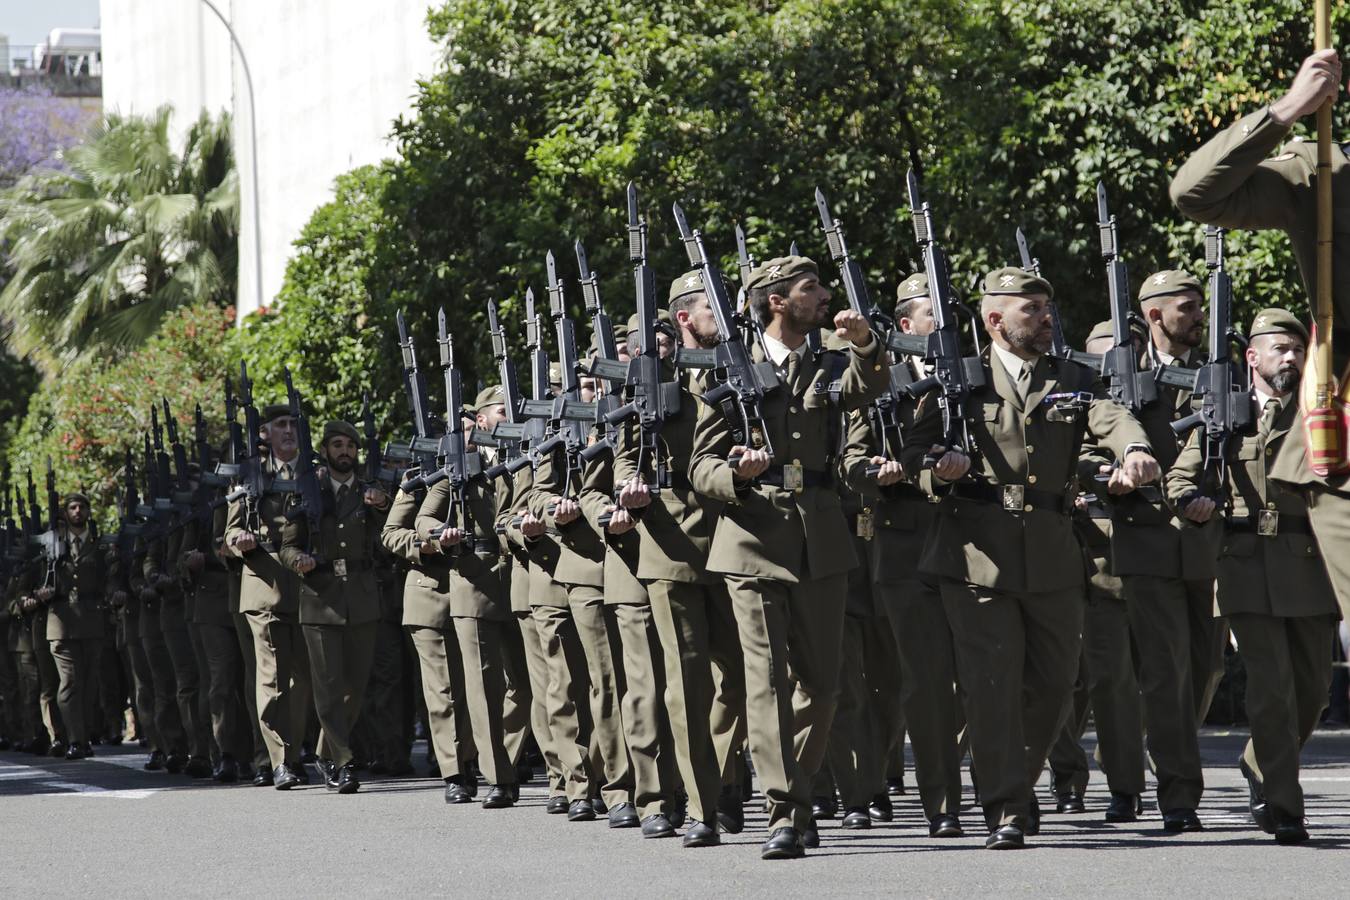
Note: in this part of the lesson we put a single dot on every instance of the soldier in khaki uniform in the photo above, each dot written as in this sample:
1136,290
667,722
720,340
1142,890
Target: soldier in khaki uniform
269,596
339,601
902,517
1001,533
1273,585
782,542
690,607
1167,569
1234,182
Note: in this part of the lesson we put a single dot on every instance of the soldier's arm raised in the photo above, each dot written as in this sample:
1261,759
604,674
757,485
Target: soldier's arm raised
397,536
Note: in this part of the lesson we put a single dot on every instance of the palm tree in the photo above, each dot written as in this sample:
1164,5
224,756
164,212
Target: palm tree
98,251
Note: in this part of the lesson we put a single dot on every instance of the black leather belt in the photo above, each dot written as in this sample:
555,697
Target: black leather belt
1269,523
487,546
1011,497
810,477
352,565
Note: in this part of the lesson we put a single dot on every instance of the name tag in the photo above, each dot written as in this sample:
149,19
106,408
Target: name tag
793,479
866,527
340,568
1268,523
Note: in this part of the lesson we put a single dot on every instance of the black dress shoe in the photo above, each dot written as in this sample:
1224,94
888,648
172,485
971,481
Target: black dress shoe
556,806
580,811
263,777
78,750
57,750
811,835
1289,829
245,771
175,763
1175,821
731,811
155,762
514,791
347,782
1033,825
944,825
227,772
457,792
855,818
1009,837
881,809
623,815
284,778
679,810
896,785
1069,803
598,804
302,772
824,808
1256,799
499,797
784,843
657,825
700,834
1124,807
198,767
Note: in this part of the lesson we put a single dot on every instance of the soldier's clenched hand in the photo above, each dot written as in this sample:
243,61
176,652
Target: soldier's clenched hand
634,494
1141,467
451,536
376,498
244,542
1318,79
530,526
890,473
952,465
853,326
620,521
566,511
752,463
1199,510
304,564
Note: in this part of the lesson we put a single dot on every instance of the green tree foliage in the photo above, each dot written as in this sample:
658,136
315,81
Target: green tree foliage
99,406
99,250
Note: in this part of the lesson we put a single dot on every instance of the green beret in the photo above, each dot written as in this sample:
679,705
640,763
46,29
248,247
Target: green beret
914,287
780,268
76,496
338,427
663,322
1167,284
275,411
489,396
1273,320
1012,280
690,282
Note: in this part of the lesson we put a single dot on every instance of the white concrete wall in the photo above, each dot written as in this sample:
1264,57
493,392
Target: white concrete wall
330,77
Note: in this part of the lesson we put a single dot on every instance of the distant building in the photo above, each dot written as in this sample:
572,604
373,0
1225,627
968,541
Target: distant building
68,64
330,77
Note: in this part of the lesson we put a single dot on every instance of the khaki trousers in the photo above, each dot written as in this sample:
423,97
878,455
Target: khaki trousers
187,684
283,688
49,679
220,646
789,633
384,707
76,662
518,698
858,737
340,657
248,656
1288,676
697,631
537,670
567,697
1016,655
608,748
1180,651
646,726
480,653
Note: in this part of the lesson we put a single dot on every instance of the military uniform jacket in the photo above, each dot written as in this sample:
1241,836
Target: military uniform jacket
1232,181
348,530
516,573
471,573
903,514
622,551
423,605
267,584
1033,445
211,586
543,552
675,531
161,558
79,609
1279,574
1147,538
581,558
766,530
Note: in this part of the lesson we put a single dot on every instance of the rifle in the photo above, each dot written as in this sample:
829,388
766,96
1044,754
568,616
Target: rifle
425,441
248,460
376,475
570,430
510,433
34,510
1120,365
953,375
180,461
307,484
743,383
1058,346
53,547
607,366
456,463
1220,384
885,410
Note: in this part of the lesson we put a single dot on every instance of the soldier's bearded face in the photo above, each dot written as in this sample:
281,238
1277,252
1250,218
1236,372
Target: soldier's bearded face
1279,360
1183,320
1027,325
77,514
341,452
806,306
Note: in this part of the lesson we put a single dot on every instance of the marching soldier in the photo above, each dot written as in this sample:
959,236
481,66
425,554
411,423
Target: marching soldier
339,600
1015,615
781,542
1273,585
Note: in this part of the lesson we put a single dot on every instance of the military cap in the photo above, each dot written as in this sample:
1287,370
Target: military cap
1012,280
913,287
554,374
76,497
337,427
275,411
489,396
1167,284
690,282
780,268
1273,320
663,322
1107,330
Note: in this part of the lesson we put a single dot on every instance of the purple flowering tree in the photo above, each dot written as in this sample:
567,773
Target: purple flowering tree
37,125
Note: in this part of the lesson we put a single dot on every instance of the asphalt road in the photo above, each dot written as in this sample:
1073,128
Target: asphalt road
104,828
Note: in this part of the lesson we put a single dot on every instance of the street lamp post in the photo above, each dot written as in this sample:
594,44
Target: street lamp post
253,142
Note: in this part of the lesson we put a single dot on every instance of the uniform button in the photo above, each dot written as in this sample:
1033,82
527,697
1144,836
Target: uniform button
342,543
1270,504
1031,479
1030,448
796,435
1026,508
792,409
1028,420
339,526
885,521
876,368
1269,451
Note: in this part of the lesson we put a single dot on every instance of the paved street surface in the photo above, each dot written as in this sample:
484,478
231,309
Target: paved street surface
105,828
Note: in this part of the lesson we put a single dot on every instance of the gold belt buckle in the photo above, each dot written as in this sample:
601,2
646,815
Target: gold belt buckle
340,568
866,527
793,479
1268,522
1014,497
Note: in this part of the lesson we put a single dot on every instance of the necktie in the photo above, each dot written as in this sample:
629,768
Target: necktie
794,364
1268,414
286,472
75,546
341,494
1024,380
